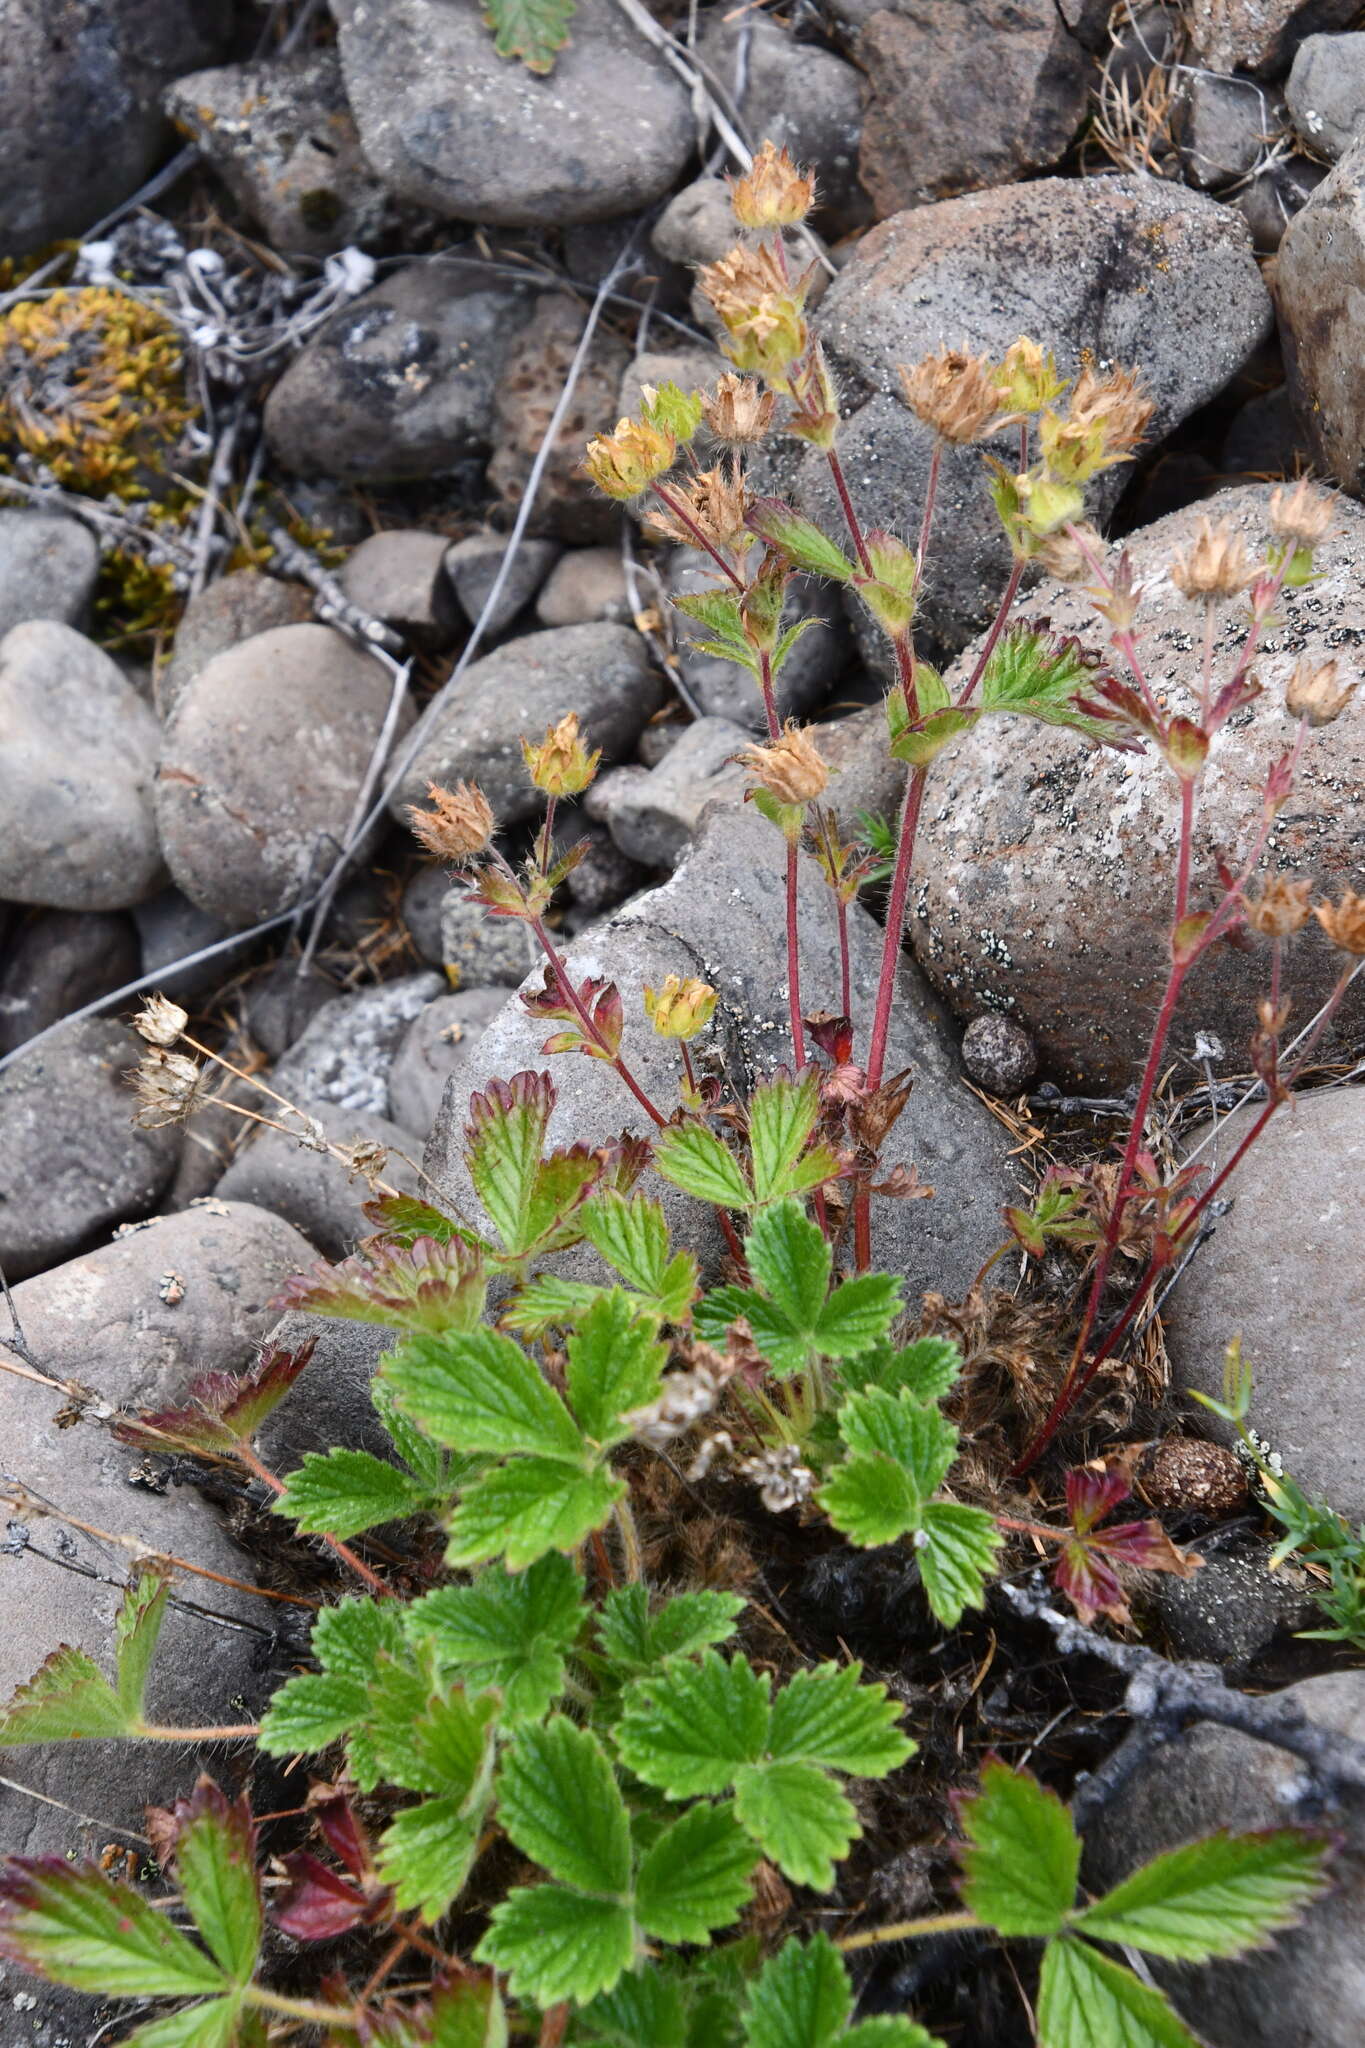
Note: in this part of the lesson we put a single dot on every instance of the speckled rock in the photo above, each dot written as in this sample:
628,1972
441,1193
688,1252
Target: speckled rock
48,567
58,962
698,223
400,382
1320,278
600,671
479,951
262,762
1136,271
655,815
722,690
344,1056
330,1404
438,1043
450,124
1257,35
283,140
533,367
1274,196
314,1191
998,1054
421,911
604,877
1224,126
172,928
585,584
398,576
1231,1611
1043,869
232,609
1326,92
77,762
1307,1991
1286,1272
473,565
72,1163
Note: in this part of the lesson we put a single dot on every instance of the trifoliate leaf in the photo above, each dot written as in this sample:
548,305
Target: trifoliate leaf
1216,1897
1023,1854
340,1492
799,540
1087,2001
872,1500
426,1853
68,1699
480,1393
800,1998
215,1865
522,1510
956,1550
635,1640
614,1365
644,2011
73,1925
137,1627
927,1369
790,1260
310,1712
794,1318
857,1315
918,1438
798,1817
695,1877
694,1159
509,1630
559,1801
828,1716
687,1730
556,1944
782,1119
631,1234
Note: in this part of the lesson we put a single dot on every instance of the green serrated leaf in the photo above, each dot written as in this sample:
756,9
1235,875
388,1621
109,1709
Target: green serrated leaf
556,1944
828,1716
857,1315
694,1159
1087,2001
469,2014
75,1926
800,1999
1023,1854
695,1877
68,1699
917,1437
644,2011
614,1365
687,1731
425,1460
215,1863
548,1302
927,1370
1216,1897
340,1492
799,1817
505,1140
799,539
891,2030
790,1259
786,1348
872,1500
782,1119
1036,675
137,1629
308,1713
631,1234
559,1802
956,1552
635,1640
481,1394
719,612
426,1853
507,1630
216,2024
522,1510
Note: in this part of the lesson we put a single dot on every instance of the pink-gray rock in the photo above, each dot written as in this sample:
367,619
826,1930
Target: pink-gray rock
398,576
1257,35
1320,277
479,951
233,608
655,815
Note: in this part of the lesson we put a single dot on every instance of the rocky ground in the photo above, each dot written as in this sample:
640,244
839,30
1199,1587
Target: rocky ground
341,547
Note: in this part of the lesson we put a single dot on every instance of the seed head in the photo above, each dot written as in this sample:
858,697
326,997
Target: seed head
1300,517
1344,922
561,765
680,1009
1216,565
160,1021
1025,379
791,769
1065,559
1280,909
1315,691
717,503
762,310
1113,410
459,825
627,461
169,1087
739,410
954,393
772,193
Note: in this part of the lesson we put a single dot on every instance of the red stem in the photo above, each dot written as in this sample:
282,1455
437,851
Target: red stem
585,1019
794,958
886,989
845,969
836,470
997,628
685,519
930,494
343,1551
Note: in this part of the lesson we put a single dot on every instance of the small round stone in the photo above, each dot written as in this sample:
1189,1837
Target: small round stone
1202,1478
998,1054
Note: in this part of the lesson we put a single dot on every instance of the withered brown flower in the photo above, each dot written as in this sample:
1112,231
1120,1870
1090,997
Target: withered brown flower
790,769
1300,517
1215,565
160,1021
169,1087
954,393
739,410
717,503
459,825
1344,922
1281,908
1315,692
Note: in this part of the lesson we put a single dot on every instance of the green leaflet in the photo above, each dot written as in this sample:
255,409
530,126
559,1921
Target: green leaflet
1215,1897
534,30
793,1315
341,1492
1023,1855
507,1629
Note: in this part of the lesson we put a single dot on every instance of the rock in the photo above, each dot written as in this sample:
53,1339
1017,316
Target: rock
330,1403
438,1043
400,382
345,1054
998,1054
656,815
964,100
1191,1476
534,369
213,1137
48,567
1043,869
1321,265
314,1191
604,877
473,566
1263,438
585,584
479,951
77,762
600,671
281,1003
698,223
733,881
801,97
72,1162
1257,35
232,609
1326,92
398,577
1270,201
60,961
453,126
1223,126
80,115
863,777
282,138
1231,1611
659,738
167,1301
263,759
172,928
421,912
808,675
609,789
1307,1990
1135,270
1284,1272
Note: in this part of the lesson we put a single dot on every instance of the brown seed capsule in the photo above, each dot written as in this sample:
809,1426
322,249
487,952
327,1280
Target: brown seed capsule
1344,922
716,503
791,769
160,1021
954,393
772,193
1216,565
459,825
1300,517
169,1087
1204,1478
1280,909
1315,692
738,410
1066,559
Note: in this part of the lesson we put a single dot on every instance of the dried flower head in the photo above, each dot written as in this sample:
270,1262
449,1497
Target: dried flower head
954,393
1026,379
1114,406
782,1480
761,308
459,825
680,1009
1315,691
627,461
685,1398
169,1087
739,410
772,193
1344,922
1280,909
716,502
1072,560
561,765
1216,565
792,769
366,1160
160,1021
1300,517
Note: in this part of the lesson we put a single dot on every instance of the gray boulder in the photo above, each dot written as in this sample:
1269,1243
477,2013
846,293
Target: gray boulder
655,815
262,763
172,928
344,1056
1256,35
479,951
439,1043
474,564
319,1194
1320,274
1326,92
585,584
330,1402
72,1162
533,370
77,762
48,567
1224,126
232,609
452,126
398,576
58,962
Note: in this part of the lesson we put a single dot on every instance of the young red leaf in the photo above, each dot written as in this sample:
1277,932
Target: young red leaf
222,1409
424,1285
319,1903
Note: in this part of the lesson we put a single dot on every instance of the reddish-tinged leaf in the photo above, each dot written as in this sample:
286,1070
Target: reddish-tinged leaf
223,1408
1089,1582
834,1036
549,1000
608,1014
406,1219
570,1041
1147,1546
426,1285
213,1852
319,1904
1091,1495
623,1161
340,1830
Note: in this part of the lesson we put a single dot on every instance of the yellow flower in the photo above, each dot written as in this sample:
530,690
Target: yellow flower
680,1009
561,765
627,461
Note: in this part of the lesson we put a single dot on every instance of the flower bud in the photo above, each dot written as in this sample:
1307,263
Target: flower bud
459,825
627,461
1025,379
561,765
1281,908
1215,566
680,1009
1048,502
791,769
1315,692
954,393
160,1021
739,410
772,193
1344,922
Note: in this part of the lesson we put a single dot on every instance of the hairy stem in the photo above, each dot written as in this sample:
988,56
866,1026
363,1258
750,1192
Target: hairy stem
886,989
907,1930
997,627
342,1550
149,1732
585,1019
851,520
